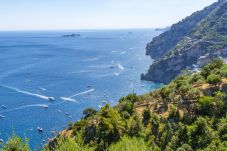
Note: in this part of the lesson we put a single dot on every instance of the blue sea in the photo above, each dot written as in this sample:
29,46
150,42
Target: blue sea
95,68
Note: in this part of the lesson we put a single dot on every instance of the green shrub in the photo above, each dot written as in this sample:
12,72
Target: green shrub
216,64
213,79
130,144
16,143
69,144
207,105
89,112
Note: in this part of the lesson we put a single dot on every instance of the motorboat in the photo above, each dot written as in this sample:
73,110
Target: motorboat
4,107
2,116
40,129
51,99
45,106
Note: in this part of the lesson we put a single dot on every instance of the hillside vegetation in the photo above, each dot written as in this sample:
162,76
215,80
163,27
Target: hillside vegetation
187,114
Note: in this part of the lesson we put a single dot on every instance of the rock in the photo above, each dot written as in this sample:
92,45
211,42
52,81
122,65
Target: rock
192,42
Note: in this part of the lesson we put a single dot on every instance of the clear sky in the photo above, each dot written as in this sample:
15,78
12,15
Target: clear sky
94,14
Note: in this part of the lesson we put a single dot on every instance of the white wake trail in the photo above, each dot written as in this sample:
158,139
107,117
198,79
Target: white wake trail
70,99
81,93
27,93
26,106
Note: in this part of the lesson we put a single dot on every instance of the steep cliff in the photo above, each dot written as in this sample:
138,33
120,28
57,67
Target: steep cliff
192,42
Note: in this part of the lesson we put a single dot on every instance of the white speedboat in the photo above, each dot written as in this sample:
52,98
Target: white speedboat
51,99
45,106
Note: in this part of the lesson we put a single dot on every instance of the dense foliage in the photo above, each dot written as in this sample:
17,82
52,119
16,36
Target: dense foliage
181,116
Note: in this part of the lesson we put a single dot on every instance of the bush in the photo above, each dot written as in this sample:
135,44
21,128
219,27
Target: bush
89,112
15,143
130,144
207,70
213,79
69,144
207,105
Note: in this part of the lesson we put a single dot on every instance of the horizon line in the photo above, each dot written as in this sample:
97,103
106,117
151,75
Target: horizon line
80,29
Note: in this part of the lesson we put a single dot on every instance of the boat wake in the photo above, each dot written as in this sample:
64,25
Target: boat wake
27,93
82,93
26,106
71,98
68,99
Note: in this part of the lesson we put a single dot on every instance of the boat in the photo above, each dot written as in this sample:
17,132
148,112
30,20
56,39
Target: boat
1,141
2,116
51,99
45,106
40,129
4,107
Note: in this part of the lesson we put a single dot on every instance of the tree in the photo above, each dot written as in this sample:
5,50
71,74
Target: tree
146,116
89,112
111,126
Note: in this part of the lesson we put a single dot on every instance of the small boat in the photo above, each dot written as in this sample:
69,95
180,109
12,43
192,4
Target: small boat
112,67
40,129
1,141
53,132
4,107
45,106
51,99
2,116
67,114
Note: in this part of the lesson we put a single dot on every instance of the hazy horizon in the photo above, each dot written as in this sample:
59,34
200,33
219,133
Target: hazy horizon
94,15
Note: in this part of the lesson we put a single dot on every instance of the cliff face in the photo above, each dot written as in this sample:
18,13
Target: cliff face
166,41
191,42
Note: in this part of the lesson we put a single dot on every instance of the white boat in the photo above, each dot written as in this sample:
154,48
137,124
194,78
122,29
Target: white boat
4,107
2,116
51,99
45,106
40,129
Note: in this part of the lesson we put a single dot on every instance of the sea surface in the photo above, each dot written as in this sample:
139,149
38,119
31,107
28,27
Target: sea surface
95,68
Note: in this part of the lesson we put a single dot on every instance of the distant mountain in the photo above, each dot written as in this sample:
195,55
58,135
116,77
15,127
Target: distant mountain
189,43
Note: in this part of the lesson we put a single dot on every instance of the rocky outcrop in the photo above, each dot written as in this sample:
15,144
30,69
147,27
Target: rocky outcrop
167,40
194,41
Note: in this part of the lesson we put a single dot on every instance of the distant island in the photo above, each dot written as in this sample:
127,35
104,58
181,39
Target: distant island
71,35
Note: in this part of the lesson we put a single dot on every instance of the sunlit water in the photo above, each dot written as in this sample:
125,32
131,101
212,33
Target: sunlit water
79,72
